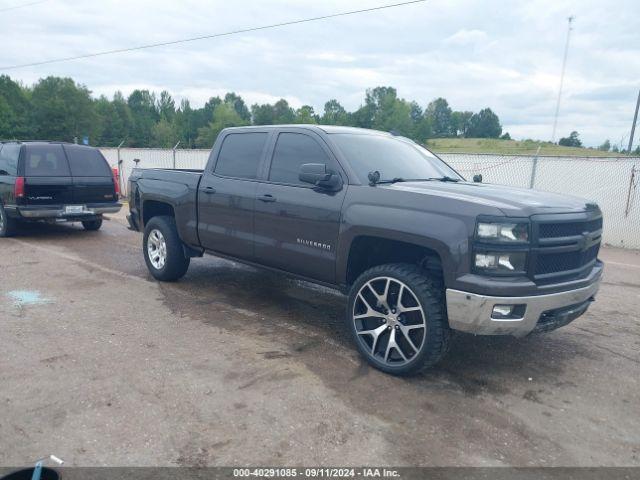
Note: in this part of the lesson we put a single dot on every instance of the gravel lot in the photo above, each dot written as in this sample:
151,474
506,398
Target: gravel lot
101,365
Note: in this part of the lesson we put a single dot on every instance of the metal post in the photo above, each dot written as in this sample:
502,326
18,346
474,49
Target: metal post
120,181
633,126
174,154
564,64
534,169
632,187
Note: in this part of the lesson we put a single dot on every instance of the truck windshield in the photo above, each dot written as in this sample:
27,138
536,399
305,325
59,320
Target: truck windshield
393,157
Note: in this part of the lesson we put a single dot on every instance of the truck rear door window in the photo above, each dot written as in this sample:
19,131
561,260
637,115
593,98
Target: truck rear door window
240,155
86,162
9,159
46,161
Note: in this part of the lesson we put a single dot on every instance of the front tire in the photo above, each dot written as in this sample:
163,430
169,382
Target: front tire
8,226
92,225
163,252
396,316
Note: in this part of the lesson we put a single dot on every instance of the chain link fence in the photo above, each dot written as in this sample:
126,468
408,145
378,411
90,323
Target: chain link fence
612,182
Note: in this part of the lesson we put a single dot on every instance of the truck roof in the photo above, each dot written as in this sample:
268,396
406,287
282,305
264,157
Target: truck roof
324,128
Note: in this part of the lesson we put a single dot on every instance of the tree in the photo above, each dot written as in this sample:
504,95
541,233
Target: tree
238,105
164,134
484,124
438,115
334,114
283,113
14,110
571,141
262,114
460,122
142,104
62,110
166,106
606,146
505,136
224,116
306,114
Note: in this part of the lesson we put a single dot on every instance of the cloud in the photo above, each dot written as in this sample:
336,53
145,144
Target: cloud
475,54
466,37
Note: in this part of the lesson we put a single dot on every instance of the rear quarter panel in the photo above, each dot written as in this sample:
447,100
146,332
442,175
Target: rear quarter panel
173,187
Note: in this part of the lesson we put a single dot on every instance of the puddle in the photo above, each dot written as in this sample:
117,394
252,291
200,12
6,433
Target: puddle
26,297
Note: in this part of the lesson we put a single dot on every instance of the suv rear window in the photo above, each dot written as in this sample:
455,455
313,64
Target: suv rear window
45,161
240,155
86,162
9,159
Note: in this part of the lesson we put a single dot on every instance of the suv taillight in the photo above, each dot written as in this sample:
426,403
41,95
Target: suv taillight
116,180
18,189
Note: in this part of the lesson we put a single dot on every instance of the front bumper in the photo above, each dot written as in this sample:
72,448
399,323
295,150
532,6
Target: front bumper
472,313
59,211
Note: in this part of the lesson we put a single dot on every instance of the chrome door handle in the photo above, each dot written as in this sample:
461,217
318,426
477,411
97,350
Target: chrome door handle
267,198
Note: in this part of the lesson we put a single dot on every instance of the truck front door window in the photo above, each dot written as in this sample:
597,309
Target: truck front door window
293,150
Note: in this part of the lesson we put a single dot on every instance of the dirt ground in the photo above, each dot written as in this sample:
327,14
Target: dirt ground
102,365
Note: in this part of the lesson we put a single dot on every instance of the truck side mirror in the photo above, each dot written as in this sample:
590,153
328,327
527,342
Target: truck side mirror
477,178
319,175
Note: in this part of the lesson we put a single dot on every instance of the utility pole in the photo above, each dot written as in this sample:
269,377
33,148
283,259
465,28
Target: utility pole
564,64
633,126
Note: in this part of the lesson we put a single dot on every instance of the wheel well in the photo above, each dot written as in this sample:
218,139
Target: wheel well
153,208
367,252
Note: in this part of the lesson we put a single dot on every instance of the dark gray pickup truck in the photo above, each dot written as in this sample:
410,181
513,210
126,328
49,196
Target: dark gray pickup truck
419,250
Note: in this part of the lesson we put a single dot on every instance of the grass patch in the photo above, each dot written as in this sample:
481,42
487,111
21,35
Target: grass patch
506,147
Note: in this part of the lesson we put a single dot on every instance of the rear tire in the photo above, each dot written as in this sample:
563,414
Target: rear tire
163,250
396,316
8,226
92,225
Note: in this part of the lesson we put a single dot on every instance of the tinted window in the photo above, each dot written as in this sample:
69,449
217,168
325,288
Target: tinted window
293,150
392,157
240,155
9,159
87,162
45,161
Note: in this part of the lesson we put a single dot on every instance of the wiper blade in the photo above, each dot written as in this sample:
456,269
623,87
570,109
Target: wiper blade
392,180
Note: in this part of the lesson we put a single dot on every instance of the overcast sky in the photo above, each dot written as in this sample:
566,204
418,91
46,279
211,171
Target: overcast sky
504,55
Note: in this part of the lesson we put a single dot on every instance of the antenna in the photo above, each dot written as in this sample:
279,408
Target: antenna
564,64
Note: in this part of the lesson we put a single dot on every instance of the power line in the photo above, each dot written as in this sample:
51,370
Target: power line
214,35
15,7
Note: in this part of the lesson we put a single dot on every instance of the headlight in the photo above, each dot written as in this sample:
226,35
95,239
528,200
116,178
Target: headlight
501,262
503,232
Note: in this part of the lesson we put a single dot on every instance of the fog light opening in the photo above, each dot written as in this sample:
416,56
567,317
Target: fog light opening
508,312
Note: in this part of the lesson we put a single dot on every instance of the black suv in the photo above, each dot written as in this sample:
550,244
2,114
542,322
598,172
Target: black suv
54,181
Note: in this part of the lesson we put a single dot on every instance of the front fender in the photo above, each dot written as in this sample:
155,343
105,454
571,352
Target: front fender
447,235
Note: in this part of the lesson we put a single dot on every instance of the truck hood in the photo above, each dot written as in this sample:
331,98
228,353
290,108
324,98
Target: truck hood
512,201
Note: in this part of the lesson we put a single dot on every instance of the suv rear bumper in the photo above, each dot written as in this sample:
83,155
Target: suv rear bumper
59,211
473,313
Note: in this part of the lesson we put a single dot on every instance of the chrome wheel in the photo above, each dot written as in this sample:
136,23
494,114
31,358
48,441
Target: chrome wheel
1,220
389,321
156,249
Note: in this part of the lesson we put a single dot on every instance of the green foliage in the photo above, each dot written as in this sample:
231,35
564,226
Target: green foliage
606,146
62,110
334,114
572,140
484,124
438,116
224,116
59,109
